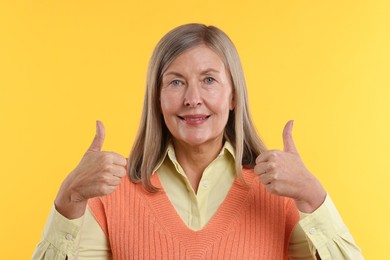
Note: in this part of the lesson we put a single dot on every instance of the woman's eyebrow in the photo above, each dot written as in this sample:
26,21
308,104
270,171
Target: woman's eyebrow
177,74
207,71
172,73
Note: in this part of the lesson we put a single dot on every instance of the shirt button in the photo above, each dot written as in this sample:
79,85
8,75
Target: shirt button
205,184
69,237
313,231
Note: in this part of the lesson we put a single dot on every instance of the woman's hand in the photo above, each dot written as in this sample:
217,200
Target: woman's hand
97,174
283,173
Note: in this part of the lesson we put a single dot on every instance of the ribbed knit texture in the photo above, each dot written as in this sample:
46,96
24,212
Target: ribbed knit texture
251,223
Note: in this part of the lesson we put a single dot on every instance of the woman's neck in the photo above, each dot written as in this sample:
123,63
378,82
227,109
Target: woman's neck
195,159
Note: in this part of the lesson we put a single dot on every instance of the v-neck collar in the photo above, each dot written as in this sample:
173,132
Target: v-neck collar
226,216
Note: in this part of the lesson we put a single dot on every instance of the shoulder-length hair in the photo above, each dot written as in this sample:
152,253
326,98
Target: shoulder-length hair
153,135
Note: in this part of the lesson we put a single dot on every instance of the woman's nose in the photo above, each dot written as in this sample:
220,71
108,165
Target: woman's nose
192,97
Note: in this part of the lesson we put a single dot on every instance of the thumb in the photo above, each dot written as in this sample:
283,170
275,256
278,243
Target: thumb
288,141
98,141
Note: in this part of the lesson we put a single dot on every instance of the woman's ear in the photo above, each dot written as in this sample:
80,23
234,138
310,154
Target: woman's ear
232,104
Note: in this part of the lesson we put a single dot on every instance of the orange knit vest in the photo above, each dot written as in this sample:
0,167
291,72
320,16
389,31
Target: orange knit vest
251,223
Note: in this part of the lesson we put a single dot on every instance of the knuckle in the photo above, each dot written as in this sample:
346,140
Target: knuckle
258,159
102,189
273,155
262,178
103,179
271,166
123,172
114,182
107,167
273,188
110,189
286,134
270,188
277,189
107,179
117,182
106,158
256,169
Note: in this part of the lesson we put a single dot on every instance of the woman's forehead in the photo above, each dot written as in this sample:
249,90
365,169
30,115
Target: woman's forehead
201,58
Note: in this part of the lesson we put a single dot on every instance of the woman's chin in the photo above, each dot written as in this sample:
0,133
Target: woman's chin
196,141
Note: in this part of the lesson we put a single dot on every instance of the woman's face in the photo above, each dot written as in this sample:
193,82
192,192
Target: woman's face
196,96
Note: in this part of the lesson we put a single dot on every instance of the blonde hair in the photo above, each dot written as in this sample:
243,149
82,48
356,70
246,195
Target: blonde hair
153,136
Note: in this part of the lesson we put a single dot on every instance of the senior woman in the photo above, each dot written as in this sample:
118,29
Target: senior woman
200,184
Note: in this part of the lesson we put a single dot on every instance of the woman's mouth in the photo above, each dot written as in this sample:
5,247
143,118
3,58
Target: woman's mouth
194,119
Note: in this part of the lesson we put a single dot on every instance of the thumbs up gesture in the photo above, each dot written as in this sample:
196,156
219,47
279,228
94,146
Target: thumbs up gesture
283,173
97,174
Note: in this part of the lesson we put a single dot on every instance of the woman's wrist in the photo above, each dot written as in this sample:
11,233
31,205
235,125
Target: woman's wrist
66,205
314,196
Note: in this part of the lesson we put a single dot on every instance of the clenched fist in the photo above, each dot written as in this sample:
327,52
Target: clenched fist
97,174
283,173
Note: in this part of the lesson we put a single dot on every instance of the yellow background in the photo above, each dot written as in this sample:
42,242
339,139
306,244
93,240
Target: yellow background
64,64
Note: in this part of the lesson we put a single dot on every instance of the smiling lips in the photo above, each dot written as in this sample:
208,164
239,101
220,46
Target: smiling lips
194,119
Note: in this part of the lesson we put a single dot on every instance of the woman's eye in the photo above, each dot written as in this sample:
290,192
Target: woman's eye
176,82
209,80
